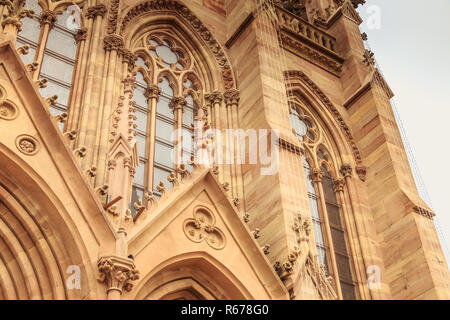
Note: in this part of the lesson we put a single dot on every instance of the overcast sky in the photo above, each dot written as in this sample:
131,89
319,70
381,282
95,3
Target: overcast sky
412,47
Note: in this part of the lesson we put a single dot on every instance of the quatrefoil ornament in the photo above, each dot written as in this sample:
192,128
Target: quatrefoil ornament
8,110
202,228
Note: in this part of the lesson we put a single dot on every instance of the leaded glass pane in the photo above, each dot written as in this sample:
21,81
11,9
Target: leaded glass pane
139,176
139,97
188,117
57,69
142,145
164,130
62,43
164,85
164,155
30,30
164,109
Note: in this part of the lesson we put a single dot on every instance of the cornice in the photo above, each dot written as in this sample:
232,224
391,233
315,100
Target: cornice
309,51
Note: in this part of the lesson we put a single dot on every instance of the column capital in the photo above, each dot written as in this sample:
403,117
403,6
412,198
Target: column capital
152,92
113,42
338,185
232,97
48,17
12,19
81,35
117,273
128,57
316,175
94,11
213,97
177,103
346,171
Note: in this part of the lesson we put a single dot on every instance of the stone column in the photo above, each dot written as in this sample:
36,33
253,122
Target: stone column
352,237
177,104
232,101
86,128
316,177
47,20
152,94
13,13
73,112
215,99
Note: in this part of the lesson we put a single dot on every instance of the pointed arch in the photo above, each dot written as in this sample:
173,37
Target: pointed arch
195,273
212,58
340,131
39,241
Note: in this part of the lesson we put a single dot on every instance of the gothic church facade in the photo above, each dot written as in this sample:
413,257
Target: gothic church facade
105,106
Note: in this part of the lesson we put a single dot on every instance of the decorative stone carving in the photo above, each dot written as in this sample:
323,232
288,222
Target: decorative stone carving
80,35
214,97
16,12
184,12
231,97
361,171
293,6
51,101
346,171
356,3
202,228
102,190
113,17
369,59
257,233
150,199
23,50
332,64
182,171
338,185
215,170
424,212
48,17
31,67
152,92
98,10
173,179
177,103
8,110
302,226
80,152
117,273
266,249
246,218
27,144
92,172
331,108
71,134
316,175
161,188
113,42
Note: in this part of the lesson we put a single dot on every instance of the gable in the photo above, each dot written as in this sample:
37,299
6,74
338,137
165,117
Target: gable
198,219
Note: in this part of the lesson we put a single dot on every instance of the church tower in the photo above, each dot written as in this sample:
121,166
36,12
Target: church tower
204,149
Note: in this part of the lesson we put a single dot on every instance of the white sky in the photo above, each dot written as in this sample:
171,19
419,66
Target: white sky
412,47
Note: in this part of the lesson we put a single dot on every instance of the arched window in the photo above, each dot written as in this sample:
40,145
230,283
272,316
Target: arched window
315,216
166,95
57,59
329,232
